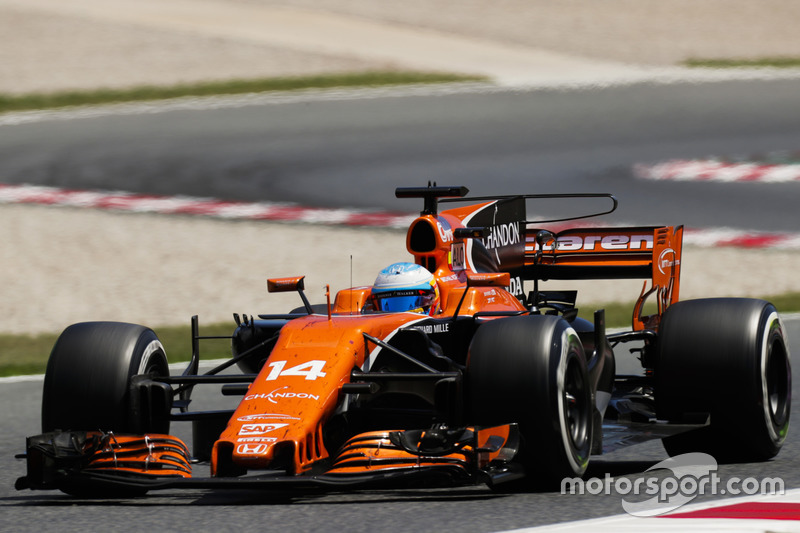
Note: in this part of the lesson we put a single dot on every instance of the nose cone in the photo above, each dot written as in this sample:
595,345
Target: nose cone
289,444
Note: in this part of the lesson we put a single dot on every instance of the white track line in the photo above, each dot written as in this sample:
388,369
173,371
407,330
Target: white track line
174,369
204,103
657,76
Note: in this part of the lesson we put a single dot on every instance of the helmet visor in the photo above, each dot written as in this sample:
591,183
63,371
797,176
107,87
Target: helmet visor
404,300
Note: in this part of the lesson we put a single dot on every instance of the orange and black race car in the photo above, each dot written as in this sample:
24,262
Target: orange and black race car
443,370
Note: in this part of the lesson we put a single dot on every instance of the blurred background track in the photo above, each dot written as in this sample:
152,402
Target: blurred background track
52,45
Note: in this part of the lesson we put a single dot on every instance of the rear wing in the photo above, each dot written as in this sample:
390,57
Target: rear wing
610,253
495,235
604,253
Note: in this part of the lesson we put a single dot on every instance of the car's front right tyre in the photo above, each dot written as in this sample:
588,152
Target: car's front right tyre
88,377
729,358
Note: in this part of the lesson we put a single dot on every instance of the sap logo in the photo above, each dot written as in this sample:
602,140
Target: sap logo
503,235
574,243
667,259
259,429
251,449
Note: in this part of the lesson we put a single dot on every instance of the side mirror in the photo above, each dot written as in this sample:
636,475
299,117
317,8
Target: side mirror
289,285
286,284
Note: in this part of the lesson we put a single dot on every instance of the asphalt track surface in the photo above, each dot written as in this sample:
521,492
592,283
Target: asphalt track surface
353,153
334,152
461,509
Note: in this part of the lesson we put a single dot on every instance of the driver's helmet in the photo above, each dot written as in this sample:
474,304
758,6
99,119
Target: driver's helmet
405,287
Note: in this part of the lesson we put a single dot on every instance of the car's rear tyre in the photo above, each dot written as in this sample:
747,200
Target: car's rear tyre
87,383
532,370
728,357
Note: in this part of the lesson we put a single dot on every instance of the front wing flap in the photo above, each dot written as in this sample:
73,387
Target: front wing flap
54,457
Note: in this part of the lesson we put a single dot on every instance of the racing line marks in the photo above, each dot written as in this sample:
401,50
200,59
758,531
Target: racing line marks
280,212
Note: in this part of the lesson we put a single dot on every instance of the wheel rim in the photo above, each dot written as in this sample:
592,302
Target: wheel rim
777,382
576,406
154,367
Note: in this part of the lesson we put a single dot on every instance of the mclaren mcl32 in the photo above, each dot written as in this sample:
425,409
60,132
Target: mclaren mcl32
455,367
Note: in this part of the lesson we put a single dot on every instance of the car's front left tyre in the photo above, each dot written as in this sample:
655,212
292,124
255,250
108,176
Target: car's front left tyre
532,370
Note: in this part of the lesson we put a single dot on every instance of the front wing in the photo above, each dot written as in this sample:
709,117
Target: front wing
92,462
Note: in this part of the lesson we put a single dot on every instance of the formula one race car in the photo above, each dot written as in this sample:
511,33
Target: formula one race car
443,370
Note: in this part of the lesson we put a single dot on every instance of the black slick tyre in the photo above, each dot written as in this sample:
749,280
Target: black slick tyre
531,370
87,382
728,357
